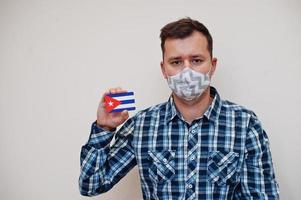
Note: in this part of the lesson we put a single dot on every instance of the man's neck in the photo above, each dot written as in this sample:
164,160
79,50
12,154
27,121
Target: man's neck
194,109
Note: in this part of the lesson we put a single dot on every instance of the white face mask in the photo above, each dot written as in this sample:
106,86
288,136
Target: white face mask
189,84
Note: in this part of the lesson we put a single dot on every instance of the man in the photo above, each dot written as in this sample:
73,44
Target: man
194,146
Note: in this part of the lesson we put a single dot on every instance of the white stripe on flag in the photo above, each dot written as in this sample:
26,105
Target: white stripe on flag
124,98
125,105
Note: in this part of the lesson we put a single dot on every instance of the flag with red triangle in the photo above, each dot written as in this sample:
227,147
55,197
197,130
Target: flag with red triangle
119,102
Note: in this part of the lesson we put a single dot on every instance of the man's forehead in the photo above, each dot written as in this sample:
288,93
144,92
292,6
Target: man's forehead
195,36
195,44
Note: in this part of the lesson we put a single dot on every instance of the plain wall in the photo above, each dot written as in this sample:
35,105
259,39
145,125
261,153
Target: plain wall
58,57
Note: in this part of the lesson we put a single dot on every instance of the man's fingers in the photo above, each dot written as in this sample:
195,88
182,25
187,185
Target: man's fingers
120,90
112,90
116,90
125,114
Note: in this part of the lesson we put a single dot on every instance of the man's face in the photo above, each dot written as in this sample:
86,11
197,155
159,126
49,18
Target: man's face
189,52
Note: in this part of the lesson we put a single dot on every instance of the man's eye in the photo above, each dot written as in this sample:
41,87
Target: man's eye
196,61
176,62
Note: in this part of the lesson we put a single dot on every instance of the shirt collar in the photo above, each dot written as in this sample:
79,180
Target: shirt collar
211,113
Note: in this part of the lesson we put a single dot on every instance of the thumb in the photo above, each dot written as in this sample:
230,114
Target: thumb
125,114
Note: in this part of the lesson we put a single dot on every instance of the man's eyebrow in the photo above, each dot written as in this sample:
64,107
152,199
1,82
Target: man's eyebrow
192,56
174,58
197,55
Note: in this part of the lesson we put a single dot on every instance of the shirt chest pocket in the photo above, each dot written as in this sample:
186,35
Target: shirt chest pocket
222,167
162,165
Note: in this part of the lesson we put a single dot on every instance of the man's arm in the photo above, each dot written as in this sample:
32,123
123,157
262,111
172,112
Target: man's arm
102,165
257,175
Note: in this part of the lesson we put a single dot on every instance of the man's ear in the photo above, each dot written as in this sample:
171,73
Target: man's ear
214,63
163,69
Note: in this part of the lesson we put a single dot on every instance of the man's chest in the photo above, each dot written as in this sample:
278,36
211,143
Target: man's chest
202,155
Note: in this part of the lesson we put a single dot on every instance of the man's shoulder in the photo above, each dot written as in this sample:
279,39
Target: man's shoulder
230,106
239,112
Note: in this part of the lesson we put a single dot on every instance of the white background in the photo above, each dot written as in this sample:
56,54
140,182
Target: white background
58,57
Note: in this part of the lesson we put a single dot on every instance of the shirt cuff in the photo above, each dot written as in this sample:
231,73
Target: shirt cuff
99,137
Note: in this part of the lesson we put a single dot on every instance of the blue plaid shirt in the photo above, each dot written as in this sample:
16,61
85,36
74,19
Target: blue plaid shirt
223,155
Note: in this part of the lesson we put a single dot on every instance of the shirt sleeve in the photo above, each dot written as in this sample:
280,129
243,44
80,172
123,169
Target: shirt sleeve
102,164
257,176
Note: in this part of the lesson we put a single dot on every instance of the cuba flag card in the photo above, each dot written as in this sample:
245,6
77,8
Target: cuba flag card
119,102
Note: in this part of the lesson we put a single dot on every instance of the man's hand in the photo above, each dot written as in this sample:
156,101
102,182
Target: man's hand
109,121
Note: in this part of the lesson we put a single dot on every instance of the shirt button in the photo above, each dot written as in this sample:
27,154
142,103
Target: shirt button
192,158
165,160
193,131
189,186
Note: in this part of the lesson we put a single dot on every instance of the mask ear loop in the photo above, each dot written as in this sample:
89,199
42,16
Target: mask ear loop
208,73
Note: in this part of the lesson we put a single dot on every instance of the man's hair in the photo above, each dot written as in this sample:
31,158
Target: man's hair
184,28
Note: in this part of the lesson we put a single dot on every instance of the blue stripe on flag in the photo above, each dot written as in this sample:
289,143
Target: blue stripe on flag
121,94
127,101
122,109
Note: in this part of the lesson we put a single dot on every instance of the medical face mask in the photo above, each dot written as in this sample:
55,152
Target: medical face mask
189,84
